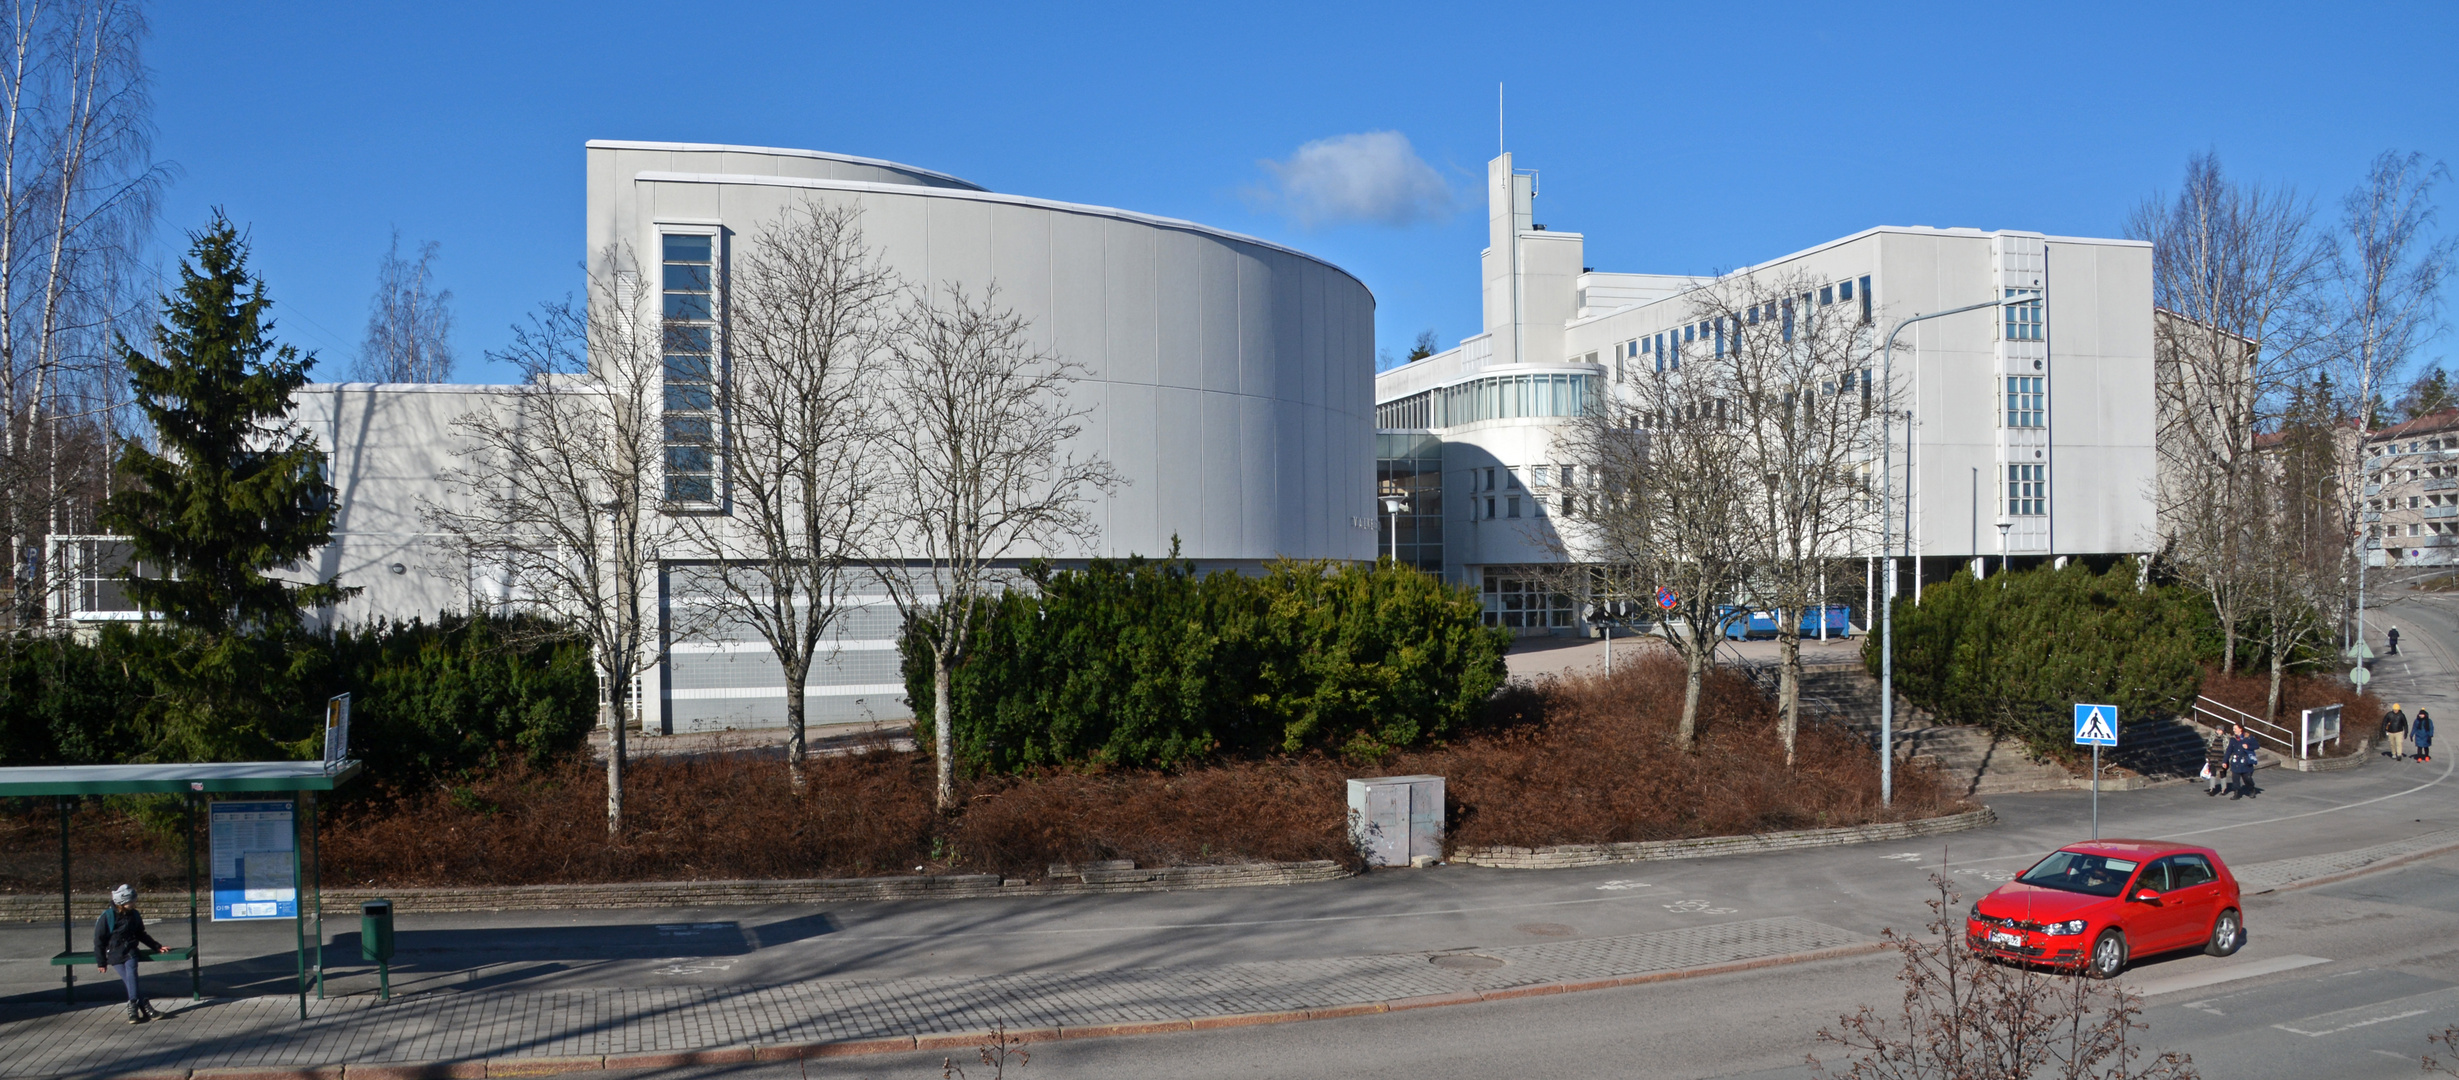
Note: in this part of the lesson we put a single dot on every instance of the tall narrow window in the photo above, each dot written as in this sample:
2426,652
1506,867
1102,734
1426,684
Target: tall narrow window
1865,300
690,332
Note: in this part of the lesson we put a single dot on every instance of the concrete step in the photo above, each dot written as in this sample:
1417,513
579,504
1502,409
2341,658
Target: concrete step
1977,761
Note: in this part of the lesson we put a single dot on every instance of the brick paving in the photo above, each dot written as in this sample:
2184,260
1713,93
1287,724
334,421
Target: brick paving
478,1025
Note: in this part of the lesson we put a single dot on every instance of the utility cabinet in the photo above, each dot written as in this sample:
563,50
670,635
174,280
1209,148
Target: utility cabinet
1397,818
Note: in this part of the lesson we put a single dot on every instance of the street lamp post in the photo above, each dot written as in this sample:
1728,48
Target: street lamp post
1392,506
2004,523
1886,540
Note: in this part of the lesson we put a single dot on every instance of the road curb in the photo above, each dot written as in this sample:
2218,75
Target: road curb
2368,868
960,1040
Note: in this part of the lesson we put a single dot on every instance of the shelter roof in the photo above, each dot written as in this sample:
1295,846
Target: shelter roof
192,776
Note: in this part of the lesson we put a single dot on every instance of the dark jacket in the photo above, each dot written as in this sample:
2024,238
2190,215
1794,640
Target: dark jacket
2422,730
2215,753
117,935
2394,722
2241,753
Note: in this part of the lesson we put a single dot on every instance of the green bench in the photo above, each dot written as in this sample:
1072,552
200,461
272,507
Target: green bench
86,959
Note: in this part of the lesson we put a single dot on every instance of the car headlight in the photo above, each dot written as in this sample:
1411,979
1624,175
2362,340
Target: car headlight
2064,929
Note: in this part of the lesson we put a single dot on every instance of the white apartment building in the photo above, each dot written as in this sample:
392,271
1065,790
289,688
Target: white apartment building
2040,412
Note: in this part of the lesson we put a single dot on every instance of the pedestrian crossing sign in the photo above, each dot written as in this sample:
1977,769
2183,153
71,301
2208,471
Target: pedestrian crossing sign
2096,725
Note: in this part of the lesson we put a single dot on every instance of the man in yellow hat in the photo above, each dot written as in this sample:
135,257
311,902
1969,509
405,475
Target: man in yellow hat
2395,734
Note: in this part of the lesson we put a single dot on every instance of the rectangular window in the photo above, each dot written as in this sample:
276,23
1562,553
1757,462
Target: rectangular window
1720,337
1788,321
1827,295
1844,290
1865,300
1514,507
2027,490
688,277
2024,319
2025,406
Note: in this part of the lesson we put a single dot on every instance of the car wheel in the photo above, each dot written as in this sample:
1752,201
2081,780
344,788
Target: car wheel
2226,934
2108,955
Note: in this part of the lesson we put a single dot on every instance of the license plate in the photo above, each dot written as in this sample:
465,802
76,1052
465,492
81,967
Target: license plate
2002,937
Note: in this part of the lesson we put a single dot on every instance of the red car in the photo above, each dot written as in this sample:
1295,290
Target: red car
2090,906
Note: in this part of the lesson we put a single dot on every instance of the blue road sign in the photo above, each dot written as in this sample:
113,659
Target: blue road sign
2096,725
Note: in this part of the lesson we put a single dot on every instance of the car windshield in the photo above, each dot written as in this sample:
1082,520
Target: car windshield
2083,872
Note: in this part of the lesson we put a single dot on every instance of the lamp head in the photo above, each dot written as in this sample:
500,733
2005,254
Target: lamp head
1394,504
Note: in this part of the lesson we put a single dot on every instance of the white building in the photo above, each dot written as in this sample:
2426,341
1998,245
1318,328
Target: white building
2046,417
1227,379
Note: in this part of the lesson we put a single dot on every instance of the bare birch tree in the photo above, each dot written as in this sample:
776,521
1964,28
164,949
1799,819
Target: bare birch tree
976,425
78,195
409,321
1808,412
556,494
2236,273
2389,273
811,310
1671,465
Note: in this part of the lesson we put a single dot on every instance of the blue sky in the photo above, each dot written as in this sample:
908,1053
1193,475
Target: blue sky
1678,137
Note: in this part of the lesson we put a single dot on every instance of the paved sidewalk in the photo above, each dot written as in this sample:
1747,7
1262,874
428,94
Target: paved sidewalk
481,1026
517,1030
2318,869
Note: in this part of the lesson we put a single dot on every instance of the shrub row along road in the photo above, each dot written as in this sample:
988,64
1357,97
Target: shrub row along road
2356,972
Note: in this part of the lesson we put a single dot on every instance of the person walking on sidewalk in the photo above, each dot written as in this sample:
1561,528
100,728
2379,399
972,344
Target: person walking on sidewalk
2421,733
2394,637
118,937
2241,762
2395,733
2215,763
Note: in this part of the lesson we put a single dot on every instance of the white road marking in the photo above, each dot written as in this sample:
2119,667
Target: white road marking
1612,886
1909,856
2214,976
1697,907
2381,1012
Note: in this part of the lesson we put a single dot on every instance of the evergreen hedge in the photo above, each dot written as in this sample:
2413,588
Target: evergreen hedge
1147,663
2016,652
429,701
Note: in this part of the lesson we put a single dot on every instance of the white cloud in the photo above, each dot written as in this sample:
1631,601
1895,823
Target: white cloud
1373,177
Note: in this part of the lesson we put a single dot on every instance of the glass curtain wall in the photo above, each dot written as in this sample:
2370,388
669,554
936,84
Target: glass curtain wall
1411,466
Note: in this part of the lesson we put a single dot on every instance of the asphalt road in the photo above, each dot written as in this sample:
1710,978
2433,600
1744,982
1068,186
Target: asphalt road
2385,977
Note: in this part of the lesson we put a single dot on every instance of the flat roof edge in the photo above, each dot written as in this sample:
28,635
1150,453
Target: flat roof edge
1155,220
779,151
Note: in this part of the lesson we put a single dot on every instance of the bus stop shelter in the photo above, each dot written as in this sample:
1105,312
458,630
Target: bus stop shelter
195,783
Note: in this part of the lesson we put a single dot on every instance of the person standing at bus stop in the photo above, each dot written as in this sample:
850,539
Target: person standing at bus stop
118,938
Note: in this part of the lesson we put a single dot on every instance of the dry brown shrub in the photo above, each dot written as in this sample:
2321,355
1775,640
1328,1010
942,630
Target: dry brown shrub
1602,768
688,818
1582,759
2360,719
1278,811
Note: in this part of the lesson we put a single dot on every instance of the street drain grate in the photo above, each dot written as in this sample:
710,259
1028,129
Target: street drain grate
1467,962
1546,929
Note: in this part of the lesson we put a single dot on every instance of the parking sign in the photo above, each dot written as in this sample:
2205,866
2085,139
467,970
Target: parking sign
2096,725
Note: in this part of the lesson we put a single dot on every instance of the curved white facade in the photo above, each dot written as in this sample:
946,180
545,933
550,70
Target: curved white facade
1230,380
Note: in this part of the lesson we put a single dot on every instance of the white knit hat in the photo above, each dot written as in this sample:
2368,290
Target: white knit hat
125,894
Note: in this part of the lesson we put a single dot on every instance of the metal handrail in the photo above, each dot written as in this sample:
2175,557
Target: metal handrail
2223,715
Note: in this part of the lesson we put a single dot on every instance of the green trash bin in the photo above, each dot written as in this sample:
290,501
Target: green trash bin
376,942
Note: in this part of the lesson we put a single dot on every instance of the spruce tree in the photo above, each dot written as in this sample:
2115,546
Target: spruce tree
232,492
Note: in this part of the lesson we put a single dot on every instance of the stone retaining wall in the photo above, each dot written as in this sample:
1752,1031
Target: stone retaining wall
34,907
1570,855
